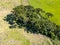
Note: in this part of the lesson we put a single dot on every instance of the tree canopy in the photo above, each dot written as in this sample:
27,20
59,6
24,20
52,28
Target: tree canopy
34,20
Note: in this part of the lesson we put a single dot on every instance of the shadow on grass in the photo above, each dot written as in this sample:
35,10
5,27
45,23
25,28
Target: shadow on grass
10,18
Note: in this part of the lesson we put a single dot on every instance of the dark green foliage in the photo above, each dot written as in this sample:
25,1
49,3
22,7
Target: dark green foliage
33,20
49,14
10,18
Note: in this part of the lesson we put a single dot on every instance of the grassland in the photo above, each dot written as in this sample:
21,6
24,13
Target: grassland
52,6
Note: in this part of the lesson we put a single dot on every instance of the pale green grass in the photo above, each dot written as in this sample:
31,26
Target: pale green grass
52,6
9,4
17,35
13,37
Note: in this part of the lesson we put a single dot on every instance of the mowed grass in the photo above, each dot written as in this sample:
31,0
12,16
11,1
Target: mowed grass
52,6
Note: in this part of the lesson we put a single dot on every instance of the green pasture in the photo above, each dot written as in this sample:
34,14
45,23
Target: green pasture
52,6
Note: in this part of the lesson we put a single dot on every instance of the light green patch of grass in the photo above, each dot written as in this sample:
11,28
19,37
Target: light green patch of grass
17,35
9,4
52,6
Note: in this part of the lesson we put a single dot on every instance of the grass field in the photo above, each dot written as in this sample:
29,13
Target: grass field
52,6
18,36
9,4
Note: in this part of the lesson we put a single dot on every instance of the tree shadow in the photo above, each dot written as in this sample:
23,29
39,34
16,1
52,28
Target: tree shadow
10,18
13,21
